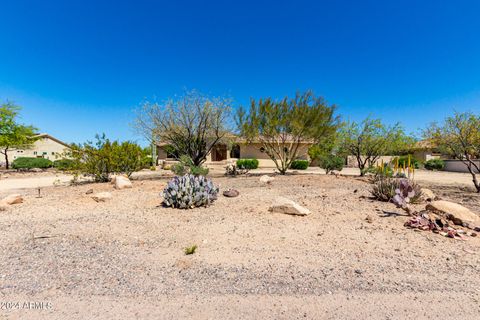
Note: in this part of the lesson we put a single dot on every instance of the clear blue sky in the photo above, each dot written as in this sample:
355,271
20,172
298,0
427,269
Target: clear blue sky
80,67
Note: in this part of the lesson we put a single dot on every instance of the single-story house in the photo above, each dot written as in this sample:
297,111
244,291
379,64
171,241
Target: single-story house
223,153
45,146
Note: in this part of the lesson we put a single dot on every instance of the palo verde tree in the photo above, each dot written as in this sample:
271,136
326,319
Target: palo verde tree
369,140
459,137
191,124
13,135
283,126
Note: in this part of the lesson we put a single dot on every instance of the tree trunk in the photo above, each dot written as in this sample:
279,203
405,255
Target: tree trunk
7,163
474,175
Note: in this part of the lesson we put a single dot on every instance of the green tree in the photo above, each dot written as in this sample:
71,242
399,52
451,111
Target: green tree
102,158
459,137
371,139
13,135
191,125
283,126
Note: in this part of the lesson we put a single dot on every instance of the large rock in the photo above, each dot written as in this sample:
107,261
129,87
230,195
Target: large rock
122,182
287,206
102,196
428,195
455,212
12,199
266,179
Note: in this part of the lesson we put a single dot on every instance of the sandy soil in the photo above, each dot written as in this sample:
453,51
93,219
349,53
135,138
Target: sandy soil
124,259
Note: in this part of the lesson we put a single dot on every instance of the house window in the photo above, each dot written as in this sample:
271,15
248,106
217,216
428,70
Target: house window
35,152
45,153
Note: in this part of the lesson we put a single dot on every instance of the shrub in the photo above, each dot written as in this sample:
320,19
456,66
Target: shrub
247,164
64,164
190,250
186,166
189,191
435,164
299,164
381,171
403,161
331,162
384,189
104,158
30,163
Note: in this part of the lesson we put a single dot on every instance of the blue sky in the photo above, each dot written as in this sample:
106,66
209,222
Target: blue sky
81,67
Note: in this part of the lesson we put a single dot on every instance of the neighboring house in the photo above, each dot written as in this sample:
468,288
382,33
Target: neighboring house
241,149
45,146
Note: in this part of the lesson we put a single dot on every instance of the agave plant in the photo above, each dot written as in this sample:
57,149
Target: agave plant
189,191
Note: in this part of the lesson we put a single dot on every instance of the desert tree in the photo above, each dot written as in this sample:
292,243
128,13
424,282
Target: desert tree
13,135
459,137
370,139
191,124
281,127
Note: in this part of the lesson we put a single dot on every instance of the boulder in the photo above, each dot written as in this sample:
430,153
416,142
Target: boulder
12,199
266,179
231,193
455,212
428,195
287,206
102,196
122,182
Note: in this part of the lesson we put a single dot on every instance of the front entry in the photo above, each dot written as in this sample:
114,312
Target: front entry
219,152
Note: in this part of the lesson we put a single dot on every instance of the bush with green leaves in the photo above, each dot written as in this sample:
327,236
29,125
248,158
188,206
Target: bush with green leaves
64,164
299,164
434,164
186,165
331,162
103,158
189,191
385,188
403,161
31,163
247,164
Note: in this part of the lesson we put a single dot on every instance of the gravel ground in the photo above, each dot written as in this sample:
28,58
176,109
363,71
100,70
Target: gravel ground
124,259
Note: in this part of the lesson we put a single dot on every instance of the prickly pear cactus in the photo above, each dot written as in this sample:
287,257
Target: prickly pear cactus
189,191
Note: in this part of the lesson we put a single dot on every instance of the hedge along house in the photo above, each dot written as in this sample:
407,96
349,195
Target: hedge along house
223,153
45,146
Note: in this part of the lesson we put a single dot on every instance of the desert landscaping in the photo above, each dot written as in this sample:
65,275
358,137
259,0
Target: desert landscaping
351,257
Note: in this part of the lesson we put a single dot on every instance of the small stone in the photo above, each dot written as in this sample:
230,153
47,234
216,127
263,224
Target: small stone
428,194
369,219
122,182
89,191
13,199
102,196
231,193
287,206
358,271
266,179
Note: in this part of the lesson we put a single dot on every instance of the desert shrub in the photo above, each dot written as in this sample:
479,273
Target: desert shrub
30,163
404,161
233,170
331,162
104,157
186,166
64,164
384,189
247,164
435,164
381,171
299,164
189,191
190,250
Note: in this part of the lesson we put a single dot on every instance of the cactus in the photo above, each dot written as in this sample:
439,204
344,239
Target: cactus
404,195
189,191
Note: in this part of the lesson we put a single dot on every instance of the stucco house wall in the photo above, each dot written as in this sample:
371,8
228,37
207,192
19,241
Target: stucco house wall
45,146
